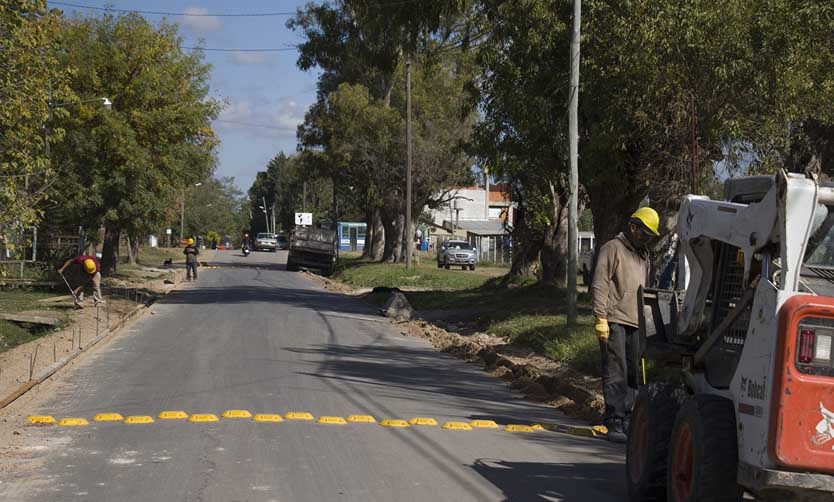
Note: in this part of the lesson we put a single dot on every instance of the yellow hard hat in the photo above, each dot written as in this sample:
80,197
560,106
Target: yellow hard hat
649,218
90,266
190,241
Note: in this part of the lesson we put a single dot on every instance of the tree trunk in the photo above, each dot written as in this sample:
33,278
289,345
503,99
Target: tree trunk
110,251
131,255
388,240
379,237
397,239
370,230
555,247
526,246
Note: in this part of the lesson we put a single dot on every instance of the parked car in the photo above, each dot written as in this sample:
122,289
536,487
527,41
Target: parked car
266,242
457,253
283,242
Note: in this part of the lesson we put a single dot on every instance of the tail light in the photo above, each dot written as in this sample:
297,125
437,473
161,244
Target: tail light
814,346
806,346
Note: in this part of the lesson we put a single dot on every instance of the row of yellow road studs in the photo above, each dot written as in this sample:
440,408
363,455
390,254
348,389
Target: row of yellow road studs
289,416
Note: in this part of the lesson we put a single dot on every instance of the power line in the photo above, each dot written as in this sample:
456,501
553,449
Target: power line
178,14
214,49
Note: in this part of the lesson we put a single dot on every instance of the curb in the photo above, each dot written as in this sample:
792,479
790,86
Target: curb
54,368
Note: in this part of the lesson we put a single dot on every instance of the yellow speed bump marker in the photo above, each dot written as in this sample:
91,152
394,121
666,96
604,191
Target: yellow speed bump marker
72,422
365,419
237,414
267,417
394,422
299,415
484,424
537,427
203,417
519,428
600,429
332,420
173,415
423,421
457,426
40,419
139,419
108,417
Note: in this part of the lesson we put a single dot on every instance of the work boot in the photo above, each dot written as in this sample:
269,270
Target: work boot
616,433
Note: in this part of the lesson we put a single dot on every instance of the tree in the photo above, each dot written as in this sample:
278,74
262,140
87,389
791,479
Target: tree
30,75
126,168
216,205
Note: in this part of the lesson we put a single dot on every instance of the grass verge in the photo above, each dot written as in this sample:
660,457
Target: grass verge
20,300
523,311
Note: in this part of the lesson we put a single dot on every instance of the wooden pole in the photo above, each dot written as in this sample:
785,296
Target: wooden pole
573,141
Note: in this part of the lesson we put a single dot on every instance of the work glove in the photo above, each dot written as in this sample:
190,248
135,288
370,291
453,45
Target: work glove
601,329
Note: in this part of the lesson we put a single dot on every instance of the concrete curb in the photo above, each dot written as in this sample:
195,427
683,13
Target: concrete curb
47,372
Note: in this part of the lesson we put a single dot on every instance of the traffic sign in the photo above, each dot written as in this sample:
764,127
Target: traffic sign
304,219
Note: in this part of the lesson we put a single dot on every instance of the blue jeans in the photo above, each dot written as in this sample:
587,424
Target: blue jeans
620,360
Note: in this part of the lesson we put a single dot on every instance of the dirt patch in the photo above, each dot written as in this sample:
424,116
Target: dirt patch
537,377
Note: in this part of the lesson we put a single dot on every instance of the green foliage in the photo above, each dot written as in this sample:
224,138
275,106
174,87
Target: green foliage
216,206
124,168
424,275
29,72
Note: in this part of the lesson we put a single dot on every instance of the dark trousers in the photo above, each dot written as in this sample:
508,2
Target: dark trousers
620,370
189,269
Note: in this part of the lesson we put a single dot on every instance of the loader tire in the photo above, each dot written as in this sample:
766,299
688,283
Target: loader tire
652,420
292,267
703,453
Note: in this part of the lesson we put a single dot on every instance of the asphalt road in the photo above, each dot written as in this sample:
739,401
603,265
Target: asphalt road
271,341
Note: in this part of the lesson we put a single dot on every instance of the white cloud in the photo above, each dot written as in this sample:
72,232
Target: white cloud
287,114
237,111
249,58
199,21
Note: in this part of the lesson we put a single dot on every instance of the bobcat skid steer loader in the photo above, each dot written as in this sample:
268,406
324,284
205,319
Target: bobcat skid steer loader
752,333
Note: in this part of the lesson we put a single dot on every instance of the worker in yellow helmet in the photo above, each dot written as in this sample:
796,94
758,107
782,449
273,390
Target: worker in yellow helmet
190,251
86,269
622,266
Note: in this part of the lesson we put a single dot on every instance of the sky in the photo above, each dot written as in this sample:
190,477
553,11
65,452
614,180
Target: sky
265,93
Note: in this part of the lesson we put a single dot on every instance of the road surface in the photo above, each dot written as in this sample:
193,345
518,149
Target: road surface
249,335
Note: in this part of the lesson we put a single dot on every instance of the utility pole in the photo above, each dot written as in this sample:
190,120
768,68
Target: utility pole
273,218
266,213
573,140
304,198
408,231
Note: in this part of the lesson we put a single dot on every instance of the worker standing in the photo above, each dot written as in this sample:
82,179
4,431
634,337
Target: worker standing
88,269
190,253
622,268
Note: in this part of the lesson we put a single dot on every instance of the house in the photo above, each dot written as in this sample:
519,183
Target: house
482,215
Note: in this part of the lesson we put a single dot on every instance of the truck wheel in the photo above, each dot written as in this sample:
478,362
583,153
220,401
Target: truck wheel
652,420
472,267
292,267
447,266
703,454
439,265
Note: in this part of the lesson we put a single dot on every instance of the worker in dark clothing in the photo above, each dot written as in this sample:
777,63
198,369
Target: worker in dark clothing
622,268
190,253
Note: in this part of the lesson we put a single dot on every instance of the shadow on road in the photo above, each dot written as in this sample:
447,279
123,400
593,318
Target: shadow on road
304,298
571,482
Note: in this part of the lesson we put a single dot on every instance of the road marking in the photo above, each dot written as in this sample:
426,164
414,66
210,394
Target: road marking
457,426
237,414
108,417
575,430
423,421
299,415
139,419
365,419
40,419
519,428
265,417
203,417
72,422
332,420
173,415
394,422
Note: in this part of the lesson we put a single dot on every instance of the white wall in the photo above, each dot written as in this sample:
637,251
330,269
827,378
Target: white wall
470,201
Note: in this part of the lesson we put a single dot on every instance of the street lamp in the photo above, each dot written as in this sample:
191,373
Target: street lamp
106,103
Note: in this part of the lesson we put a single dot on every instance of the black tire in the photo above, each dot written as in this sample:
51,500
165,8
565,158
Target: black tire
292,267
439,265
447,266
652,420
703,452
472,267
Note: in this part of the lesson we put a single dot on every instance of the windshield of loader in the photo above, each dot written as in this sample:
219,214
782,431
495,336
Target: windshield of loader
820,249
